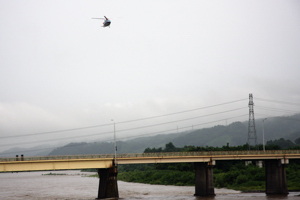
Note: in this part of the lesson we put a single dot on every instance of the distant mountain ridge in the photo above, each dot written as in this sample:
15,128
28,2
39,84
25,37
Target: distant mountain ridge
235,134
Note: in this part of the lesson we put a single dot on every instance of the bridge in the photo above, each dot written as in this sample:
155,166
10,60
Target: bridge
274,162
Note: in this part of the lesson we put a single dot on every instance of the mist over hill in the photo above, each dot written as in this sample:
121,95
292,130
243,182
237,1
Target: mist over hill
235,134
40,150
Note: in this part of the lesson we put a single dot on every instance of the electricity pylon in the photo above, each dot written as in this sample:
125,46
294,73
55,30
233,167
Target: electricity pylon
252,138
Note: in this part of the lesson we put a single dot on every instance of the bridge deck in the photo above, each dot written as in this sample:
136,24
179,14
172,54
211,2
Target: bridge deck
106,160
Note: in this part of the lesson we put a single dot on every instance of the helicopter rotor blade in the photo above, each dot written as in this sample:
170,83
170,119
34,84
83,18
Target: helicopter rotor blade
97,18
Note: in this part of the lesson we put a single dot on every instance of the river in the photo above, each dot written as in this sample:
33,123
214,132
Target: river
76,185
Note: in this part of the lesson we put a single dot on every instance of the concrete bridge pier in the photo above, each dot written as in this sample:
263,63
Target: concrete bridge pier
276,177
108,186
204,181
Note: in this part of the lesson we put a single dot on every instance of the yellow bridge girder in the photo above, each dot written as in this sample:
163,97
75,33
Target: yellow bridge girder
41,165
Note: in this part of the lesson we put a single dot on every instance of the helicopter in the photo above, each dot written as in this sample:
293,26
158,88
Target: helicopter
106,22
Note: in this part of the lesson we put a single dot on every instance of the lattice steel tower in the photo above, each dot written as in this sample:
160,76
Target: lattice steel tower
252,138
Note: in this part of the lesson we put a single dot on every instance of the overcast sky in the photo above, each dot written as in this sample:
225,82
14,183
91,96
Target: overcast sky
59,69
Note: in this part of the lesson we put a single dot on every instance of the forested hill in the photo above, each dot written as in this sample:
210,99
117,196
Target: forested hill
235,134
137,145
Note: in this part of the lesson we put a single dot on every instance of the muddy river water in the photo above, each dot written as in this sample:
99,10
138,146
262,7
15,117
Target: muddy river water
76,185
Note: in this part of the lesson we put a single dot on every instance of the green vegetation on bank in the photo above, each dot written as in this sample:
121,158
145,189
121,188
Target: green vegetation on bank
230,174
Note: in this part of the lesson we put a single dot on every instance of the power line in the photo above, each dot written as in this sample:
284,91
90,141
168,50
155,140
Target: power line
58,131
181,111
128,137
89,127
276,109
179,120
102,125
123,130
275,101
174,129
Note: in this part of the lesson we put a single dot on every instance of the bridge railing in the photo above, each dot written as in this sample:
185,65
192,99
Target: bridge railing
58,157
159,154
208,153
